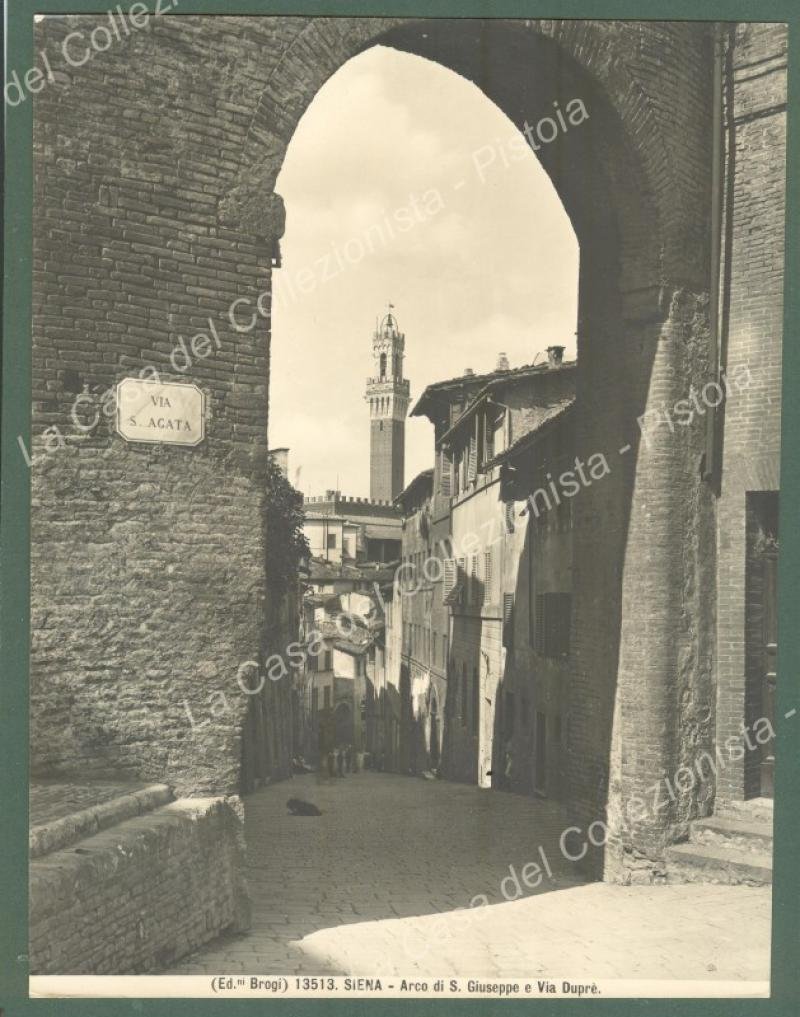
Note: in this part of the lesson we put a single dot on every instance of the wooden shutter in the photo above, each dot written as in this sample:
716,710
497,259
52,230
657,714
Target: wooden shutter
487,575
445,482
449,577
489,435
509,516
473,458
508,619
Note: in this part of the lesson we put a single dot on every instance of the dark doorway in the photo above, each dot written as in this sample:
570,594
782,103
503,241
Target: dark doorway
434,748
540,755
344,724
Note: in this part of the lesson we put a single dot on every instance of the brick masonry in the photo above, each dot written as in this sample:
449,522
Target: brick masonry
387,458
140,895
155,166
754,333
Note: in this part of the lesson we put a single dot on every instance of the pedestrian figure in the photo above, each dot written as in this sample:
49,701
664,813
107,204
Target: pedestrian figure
340,761
348,758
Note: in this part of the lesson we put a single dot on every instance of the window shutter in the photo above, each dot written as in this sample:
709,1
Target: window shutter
445,485
508,619
489,433
473,457
509,516
487,575
449,577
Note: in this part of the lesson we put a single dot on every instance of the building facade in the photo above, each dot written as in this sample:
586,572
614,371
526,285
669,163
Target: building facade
424,637
340,528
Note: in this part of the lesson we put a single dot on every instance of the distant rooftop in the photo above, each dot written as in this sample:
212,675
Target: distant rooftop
475,385
419,487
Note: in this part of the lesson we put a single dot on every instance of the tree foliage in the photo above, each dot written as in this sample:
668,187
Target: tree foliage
286,542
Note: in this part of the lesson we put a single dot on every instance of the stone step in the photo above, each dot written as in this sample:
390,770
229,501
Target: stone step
731,831
754,810
713,863
58,834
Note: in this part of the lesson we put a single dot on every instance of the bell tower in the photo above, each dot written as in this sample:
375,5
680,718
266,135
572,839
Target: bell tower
388,397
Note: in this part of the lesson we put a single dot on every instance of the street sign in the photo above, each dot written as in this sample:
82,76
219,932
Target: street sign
160,412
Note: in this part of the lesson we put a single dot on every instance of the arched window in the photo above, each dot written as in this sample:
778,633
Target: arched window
383,365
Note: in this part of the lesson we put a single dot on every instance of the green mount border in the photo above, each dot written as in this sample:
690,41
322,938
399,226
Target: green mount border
15,538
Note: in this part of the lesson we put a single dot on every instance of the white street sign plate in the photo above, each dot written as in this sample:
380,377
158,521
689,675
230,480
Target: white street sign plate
160,412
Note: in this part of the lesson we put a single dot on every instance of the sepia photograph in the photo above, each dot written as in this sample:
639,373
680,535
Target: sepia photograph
404,465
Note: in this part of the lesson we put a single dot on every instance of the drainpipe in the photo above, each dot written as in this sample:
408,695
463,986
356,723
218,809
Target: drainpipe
717,152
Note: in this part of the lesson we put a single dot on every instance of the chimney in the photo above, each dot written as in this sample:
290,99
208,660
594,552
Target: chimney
502,363
280,456
468,372
555,355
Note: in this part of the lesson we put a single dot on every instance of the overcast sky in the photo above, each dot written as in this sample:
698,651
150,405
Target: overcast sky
385,202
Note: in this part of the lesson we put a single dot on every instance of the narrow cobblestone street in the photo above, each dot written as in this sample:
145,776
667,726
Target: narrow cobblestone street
372,887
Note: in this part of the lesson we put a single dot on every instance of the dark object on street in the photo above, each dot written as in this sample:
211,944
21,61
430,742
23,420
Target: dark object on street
298,807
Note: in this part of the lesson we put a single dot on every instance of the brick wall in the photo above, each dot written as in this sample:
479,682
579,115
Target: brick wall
147,562
140,895
387,450
753,329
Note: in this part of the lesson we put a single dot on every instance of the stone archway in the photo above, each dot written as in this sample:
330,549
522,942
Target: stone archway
633,179
178,201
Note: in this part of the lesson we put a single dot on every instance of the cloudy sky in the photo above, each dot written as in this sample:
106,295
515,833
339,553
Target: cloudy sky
401,186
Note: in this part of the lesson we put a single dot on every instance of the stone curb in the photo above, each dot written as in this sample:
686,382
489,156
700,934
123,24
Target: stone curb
61,832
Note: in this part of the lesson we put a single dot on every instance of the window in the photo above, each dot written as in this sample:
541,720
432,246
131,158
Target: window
445,485
449,577
331,541
488,575
488,452
509,516
508,620
553,617
480,440
383,365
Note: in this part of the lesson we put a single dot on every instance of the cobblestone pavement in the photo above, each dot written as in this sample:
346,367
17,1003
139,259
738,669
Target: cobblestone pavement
372,886
53,799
